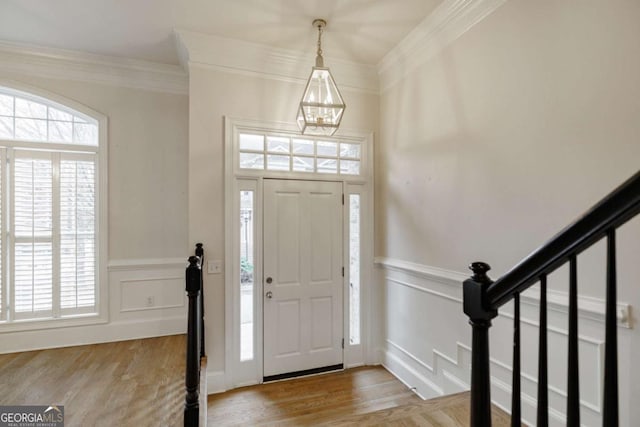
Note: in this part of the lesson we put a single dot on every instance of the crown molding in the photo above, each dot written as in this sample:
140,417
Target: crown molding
79,66
253,59
450,20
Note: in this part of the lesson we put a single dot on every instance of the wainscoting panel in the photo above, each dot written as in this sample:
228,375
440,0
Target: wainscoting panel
427,339
151,293
146,299
148,289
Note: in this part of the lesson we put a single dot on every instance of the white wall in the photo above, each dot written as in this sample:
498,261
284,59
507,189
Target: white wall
494,145
214,95
147,149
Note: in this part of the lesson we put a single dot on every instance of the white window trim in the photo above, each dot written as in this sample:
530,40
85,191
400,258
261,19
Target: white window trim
102,246
237,126
239,373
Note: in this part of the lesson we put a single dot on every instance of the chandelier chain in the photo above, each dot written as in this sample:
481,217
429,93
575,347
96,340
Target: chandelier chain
319,40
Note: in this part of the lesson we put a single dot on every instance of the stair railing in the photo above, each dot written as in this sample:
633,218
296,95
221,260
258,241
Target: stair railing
483,297
195,337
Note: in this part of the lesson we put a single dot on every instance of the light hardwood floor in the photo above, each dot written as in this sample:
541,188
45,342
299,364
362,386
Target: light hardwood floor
309,400
127,383
368,396
141,383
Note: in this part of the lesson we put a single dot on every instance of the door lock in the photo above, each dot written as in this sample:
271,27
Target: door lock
269,294
269,280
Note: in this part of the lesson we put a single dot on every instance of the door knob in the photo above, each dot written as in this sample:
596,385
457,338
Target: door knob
269,295
269,280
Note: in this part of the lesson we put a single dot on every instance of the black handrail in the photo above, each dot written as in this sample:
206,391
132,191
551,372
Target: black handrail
195,337
483,297
618,207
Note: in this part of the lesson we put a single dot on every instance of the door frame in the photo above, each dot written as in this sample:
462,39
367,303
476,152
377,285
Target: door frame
241,373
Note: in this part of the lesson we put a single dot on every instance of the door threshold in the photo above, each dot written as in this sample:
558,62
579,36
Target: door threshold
306,372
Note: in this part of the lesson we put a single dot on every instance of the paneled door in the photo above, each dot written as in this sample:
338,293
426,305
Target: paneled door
303,284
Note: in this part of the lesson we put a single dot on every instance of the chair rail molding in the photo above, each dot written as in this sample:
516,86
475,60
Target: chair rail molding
588,307
144,264
440,364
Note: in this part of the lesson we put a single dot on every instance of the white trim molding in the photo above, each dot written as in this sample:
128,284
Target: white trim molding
145,264
450,20
124,330
253,59
101,182
426,342
419,377
64,64
216,382
588,307
146,299
240,373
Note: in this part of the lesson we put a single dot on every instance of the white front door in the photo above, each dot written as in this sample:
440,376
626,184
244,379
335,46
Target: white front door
303,284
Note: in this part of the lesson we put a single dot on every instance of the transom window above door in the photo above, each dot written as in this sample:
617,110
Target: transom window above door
299,155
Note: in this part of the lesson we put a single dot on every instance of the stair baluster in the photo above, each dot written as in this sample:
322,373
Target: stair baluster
610,405
543,390
515,380
573,374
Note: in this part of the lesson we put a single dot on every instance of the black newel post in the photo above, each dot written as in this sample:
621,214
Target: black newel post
480,315
200,254
191,400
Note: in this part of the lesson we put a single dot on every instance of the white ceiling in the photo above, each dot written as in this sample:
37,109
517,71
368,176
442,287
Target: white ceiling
362,31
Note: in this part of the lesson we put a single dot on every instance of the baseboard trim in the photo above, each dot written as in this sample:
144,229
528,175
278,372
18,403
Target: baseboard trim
13,342
410,377
216,382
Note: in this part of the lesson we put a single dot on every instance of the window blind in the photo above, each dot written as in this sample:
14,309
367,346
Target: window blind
33,232
77,234
54,251
48,209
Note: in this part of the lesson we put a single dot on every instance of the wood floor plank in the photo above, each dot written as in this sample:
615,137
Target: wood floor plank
129,383
140,383
369,397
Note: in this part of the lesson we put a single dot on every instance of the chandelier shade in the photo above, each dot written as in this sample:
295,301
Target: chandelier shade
322,106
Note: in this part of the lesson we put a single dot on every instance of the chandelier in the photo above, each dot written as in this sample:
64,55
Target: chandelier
321,107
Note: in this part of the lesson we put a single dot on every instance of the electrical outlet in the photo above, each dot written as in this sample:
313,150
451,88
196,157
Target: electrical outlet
214,267
151,301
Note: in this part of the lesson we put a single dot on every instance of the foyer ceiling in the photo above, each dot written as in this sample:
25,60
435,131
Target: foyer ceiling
361,31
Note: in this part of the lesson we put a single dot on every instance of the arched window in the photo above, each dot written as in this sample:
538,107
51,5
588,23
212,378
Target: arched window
49,209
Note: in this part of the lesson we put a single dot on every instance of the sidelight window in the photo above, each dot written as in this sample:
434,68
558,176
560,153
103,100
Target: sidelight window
247,276
354,268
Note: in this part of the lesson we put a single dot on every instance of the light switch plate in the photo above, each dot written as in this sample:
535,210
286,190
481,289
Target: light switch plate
214,267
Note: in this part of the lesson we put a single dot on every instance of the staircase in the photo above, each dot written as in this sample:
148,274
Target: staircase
483,297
